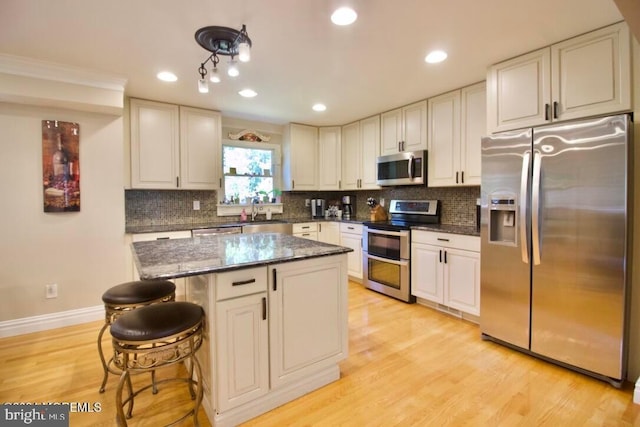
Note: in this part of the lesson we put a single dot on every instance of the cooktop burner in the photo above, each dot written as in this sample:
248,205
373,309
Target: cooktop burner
408,213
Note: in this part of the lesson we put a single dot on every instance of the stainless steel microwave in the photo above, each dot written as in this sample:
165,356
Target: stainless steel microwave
406,168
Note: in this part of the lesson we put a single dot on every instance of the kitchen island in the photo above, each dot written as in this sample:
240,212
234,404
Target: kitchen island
276,309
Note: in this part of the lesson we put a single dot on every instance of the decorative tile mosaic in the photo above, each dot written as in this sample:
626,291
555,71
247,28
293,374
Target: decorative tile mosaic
167,207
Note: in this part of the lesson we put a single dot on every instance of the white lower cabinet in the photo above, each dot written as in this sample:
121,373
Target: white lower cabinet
308,314
306,230
329,232
351,237
273,334
445,269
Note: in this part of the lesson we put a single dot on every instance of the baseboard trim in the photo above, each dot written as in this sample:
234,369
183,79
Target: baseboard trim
636,393
27,325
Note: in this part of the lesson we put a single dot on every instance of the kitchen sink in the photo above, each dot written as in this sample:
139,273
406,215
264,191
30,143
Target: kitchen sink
267,227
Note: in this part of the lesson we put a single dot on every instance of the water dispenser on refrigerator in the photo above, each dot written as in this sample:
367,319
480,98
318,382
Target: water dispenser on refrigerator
503,219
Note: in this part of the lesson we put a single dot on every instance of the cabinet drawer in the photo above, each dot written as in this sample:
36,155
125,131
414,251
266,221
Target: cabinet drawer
449,240
241,282
305,227
351,228
143,237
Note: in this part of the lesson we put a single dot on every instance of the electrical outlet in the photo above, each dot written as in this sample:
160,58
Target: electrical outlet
196,205
307,203
382,202
51,291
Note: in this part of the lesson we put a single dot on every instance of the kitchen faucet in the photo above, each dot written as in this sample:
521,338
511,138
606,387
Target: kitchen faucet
254,209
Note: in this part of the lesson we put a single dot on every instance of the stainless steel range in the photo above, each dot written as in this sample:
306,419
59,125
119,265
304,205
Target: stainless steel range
387,247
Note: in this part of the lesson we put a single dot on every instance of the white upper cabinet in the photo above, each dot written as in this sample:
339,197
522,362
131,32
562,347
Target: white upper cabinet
174,147
300,165
584,76
360,148
404,129
330,153
456,124
200,145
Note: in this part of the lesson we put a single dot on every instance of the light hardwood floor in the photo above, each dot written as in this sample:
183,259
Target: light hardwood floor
408,365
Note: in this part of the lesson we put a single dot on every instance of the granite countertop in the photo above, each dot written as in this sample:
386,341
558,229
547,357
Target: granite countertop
132,229
172,258
468,230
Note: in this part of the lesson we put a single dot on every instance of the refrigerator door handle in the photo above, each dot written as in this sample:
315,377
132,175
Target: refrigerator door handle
535,208
524,181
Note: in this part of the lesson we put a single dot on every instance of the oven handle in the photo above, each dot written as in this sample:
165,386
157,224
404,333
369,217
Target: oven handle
402,233
401,262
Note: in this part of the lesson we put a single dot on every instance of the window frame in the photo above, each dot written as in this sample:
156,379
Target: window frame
276,161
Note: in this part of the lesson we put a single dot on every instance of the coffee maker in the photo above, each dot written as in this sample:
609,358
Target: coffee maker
347,207
318,206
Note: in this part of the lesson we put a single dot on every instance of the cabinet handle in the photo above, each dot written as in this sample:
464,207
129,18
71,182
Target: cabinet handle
456,177
220,186
243,282
319,228
339,183
442,239
555,109
264,308
462,177
445,257
546,111
293,184
275,277
440,252
350,228
162,238
177,182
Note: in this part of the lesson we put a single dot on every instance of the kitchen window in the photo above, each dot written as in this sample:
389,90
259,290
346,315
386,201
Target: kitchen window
250,169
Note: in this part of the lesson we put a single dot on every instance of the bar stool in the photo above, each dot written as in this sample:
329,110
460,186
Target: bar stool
153,337
126,297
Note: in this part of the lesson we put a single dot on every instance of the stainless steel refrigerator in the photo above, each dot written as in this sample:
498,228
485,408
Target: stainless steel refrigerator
554,232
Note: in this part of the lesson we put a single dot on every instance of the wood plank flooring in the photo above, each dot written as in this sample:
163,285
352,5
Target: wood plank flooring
408,365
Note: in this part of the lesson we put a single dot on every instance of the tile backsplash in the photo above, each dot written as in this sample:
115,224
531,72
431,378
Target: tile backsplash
166,207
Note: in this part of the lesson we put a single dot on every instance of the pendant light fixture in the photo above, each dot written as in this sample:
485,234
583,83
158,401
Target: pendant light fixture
222,41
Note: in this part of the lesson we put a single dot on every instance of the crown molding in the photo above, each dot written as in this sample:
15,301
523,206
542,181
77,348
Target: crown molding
34,68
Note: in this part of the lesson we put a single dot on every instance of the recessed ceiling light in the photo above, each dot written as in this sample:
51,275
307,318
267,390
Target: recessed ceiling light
167,76
436,56
344,16
319,107
248,93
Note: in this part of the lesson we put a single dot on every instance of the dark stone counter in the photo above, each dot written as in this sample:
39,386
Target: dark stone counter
172,258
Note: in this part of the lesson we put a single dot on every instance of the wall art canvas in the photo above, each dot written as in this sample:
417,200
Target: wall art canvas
61,166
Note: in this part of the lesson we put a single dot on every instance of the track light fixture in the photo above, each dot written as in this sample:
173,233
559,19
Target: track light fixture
222,41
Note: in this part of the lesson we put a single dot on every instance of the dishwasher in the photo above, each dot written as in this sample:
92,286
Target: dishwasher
198,232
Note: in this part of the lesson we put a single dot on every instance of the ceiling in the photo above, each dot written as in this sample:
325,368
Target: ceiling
298,57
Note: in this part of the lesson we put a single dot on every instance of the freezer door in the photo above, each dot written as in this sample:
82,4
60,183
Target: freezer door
505,268
579,225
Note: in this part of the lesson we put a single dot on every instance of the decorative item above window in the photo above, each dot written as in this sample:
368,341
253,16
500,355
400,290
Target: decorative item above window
249,135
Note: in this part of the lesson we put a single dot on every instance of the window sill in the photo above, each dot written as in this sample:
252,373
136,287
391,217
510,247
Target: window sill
236,209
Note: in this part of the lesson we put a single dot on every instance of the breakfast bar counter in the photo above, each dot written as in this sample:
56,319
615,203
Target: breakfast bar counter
276,308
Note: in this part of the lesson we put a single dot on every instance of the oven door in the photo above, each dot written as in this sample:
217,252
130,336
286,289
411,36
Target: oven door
393,245
387,276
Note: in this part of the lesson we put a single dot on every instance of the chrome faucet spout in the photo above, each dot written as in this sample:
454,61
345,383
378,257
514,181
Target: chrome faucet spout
254,211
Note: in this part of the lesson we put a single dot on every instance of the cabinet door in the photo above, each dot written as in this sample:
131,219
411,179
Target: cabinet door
462,279
391,132
330,153
519,92
242,350
155,145
308,317
370,150
427,272
200,151
354,259
591,73
351,156
300,169
473,128
414,127
444,140
329,232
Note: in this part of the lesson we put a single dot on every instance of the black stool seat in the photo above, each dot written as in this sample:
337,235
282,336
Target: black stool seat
155,322
138,291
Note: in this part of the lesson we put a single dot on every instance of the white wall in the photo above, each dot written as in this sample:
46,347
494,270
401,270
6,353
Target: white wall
83,252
